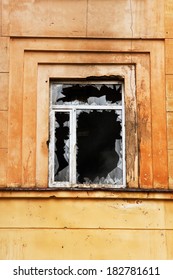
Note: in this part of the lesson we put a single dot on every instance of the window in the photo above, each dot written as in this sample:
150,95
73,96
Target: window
87,134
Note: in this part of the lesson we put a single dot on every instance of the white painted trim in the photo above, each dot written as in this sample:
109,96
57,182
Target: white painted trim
73,146
123,136
87,107
51,148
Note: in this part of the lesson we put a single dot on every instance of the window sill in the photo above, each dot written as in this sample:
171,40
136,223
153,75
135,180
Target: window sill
139,194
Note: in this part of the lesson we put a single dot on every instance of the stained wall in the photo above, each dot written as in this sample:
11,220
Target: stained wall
40,39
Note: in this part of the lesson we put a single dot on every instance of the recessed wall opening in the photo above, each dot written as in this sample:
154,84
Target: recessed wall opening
87,145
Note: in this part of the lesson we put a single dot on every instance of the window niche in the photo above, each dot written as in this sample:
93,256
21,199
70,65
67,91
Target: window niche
87,143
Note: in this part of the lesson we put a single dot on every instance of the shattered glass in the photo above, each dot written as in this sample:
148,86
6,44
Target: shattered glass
86,94
99,147
62,144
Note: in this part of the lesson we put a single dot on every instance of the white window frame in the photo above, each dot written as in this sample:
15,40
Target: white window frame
71,109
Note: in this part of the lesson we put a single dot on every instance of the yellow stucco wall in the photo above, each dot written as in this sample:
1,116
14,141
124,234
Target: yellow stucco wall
38,39
86,228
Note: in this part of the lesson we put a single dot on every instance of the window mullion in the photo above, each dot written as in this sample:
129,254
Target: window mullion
52,145
123,138
73,146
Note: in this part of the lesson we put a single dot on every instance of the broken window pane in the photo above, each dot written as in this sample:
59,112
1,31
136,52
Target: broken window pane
89,133
90,94
62,143
99,147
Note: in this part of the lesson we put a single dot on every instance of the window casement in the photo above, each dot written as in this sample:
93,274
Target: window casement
87,134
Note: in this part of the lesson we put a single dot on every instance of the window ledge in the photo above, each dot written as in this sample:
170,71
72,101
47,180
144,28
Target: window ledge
95,194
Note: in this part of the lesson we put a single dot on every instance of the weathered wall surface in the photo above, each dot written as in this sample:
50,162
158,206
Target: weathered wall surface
85,229
169,83
39,39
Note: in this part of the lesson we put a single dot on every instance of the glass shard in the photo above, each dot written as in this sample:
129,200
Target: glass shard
87,94
99,147
61,156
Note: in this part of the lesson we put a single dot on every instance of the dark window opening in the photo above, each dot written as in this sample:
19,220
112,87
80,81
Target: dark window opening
97,158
